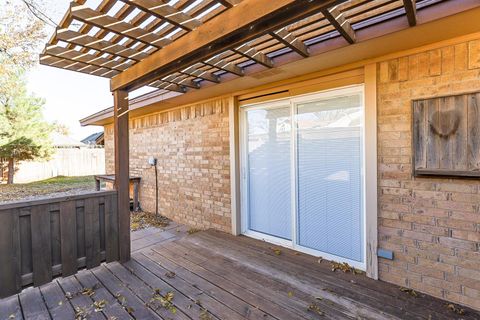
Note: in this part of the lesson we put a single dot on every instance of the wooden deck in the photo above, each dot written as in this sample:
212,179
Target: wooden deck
210,275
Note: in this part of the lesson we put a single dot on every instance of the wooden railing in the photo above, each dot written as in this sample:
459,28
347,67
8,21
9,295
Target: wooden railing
46,238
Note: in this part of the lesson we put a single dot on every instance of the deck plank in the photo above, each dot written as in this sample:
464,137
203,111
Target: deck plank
32,304
112,308
56,303
80,302
181,302
326,286
123,294
10,308
297,302
142,291
227,297
213,306
384,293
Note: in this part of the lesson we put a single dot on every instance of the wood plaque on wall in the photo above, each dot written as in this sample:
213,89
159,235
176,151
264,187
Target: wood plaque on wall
446,136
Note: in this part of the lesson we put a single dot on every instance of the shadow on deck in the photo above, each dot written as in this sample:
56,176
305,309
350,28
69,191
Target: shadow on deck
211,275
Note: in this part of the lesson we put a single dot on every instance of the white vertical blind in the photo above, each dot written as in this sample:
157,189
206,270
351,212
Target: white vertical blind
269,177
329,185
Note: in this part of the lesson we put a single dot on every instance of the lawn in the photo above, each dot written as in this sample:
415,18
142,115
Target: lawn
57,186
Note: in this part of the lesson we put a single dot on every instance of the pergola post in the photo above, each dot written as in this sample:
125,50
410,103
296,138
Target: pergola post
122,175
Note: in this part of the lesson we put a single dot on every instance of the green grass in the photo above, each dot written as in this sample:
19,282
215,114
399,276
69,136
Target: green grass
58,184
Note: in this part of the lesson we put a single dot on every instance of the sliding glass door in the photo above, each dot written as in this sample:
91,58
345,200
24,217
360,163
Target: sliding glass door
303,173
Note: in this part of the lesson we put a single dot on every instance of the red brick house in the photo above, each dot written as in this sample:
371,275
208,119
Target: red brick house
348,132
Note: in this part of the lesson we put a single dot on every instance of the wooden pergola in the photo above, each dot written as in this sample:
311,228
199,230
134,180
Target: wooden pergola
186,45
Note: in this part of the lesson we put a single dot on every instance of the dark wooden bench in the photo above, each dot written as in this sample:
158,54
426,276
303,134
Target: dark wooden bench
134,181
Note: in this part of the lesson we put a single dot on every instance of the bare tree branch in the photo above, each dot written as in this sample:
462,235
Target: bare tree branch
39,14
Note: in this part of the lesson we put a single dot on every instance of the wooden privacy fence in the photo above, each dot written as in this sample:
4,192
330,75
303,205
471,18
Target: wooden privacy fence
46,238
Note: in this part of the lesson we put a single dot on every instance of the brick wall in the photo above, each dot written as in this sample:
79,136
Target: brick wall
192,148
432,225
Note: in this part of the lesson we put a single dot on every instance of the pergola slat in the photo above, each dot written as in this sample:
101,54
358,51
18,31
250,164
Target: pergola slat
181,82
169,86
221,64
411,10
77,56
103,21
163,11
253,54
337,19
229,3
205,75
90,42
76,66
291,41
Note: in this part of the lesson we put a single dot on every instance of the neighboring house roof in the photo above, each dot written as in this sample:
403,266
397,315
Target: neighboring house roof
94,139
63,141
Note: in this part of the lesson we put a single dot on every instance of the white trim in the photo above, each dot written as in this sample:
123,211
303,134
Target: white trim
234,166
293,101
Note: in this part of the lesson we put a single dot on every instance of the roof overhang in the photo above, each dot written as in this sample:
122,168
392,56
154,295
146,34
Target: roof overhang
443,21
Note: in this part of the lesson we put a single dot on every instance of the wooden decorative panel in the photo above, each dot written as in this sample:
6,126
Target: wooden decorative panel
446,136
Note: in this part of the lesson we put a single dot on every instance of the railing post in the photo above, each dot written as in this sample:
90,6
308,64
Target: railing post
120,108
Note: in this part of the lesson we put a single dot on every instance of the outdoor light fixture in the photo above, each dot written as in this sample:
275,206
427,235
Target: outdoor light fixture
152,161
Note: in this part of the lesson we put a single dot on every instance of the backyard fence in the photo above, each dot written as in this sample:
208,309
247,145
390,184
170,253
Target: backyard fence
64,162
46,238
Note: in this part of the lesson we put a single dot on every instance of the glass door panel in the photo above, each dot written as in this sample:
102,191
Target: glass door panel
329,179
269,177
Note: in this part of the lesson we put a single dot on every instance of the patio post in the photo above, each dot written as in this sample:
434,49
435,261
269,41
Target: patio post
120,98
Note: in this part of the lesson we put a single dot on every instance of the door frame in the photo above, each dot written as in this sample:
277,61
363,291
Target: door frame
292,102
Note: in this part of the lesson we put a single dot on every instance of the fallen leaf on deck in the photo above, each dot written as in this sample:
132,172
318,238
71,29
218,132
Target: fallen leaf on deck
193,230
88,292
315,309
454,308
411,292
170,274
204,315
99,305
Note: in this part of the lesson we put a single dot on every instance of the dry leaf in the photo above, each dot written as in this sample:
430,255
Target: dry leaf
411,292
315,309
454,308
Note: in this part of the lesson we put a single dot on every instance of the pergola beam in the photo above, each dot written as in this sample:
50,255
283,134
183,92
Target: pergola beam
163,11
290,41
337,19
221,33
411,11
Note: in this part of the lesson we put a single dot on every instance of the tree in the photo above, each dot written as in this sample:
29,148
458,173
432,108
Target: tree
24,134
